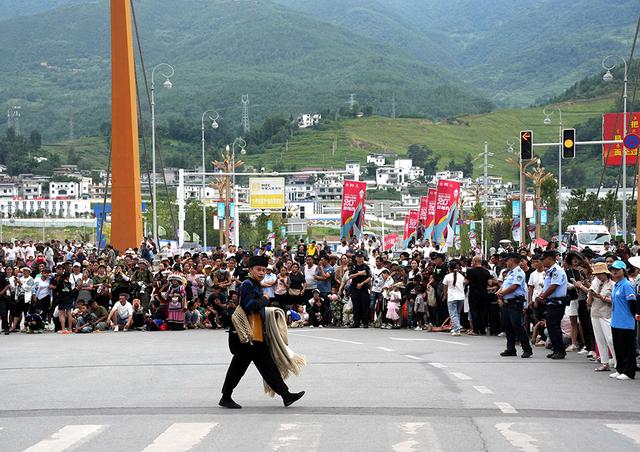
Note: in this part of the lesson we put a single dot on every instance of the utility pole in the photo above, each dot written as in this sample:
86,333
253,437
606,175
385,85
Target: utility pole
13,118
522,166
352,101
223,184
538,176
393,107
246,126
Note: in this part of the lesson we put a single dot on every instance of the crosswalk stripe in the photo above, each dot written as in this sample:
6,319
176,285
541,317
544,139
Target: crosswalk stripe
505,407
180,437
66,437
421,436
483,390
631,431
521,441
296,437
413,357
461,376
438,365
385,349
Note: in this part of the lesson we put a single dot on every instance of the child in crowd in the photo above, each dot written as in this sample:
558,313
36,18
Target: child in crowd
393,308
336,307
33,322
420,307
411,303
295,316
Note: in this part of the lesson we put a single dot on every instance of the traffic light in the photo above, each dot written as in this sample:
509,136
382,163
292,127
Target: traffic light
526,145
568,143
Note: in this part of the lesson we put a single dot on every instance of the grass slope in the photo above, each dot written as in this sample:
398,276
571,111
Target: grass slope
358,137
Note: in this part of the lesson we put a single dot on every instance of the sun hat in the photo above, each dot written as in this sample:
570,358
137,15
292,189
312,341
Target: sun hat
600,268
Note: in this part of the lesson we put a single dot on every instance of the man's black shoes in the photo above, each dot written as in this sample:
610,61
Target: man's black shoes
558,355
509,353
290,398
527,354
227,402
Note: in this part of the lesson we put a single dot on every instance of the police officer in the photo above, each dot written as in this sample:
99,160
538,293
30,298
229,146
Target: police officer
511,298
360,275
553,296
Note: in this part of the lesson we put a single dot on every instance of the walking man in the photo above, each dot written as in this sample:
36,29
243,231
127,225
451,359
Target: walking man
254,302
554,293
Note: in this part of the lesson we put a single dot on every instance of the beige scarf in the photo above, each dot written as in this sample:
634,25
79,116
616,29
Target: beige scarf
287,361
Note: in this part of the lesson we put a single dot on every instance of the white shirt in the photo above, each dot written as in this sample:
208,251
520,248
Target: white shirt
536,280
340,250
309,273
455,292
42,288
124,311
269,291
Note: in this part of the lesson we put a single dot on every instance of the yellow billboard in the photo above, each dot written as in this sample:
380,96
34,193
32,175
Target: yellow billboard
266,193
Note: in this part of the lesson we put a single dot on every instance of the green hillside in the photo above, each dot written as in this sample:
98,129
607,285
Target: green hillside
516,52
455,139
287,63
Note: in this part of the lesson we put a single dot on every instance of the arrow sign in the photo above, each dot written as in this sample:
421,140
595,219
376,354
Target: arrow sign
631,141
526,136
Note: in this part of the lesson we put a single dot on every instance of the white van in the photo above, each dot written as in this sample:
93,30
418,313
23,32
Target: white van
592,234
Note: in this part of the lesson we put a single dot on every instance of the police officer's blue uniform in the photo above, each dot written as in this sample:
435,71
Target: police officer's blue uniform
555,303
513,305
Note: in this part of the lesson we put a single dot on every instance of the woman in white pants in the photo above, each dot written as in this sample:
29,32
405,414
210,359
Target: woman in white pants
599,299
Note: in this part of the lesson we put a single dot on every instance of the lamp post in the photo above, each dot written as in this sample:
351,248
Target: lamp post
214,125
167,72
607,77
243,144
547,122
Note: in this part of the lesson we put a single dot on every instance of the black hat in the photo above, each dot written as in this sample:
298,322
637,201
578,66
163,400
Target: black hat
549,253
262,261
359,254
516,256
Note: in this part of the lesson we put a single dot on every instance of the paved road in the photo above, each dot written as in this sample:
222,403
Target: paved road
367,390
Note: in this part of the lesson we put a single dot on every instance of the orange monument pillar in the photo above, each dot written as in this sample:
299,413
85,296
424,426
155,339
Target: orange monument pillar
126,209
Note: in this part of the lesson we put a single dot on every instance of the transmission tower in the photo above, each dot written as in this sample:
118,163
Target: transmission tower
245,114
13,118
352,101
393,107
71,129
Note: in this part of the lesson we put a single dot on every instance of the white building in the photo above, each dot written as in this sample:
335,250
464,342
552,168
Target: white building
8,190
354,168
308,120
63,190
399,175
64,208
449,175
377,159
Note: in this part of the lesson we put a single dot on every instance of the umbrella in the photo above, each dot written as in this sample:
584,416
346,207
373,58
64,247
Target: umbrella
541,242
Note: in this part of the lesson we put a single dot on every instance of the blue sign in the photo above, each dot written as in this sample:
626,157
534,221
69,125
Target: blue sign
631,141
515,208
221,209
283,231
270,225
543,216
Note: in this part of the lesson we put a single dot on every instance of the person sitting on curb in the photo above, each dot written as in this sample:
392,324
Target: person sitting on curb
121,314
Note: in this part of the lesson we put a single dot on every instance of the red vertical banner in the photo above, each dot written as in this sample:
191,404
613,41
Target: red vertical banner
613,129
446,203
410,224
353,196
424,210
431,212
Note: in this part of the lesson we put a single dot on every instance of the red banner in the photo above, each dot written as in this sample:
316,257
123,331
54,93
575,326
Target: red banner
390,240
410,223
612,129
446,202
424,210
353,195
431,213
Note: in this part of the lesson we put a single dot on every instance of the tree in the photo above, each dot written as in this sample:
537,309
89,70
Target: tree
423,157
35,139
477,212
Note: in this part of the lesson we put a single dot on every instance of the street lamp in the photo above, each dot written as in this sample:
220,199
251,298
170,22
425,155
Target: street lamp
243,144
213,117
607,77
547,122
167,72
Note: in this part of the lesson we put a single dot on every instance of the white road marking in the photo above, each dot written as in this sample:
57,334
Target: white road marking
483,390
505,407
65,438
461,376
631,431
438,365
385,349
521,441
327,339
296,437
407,339
180,437
420,435
413,357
